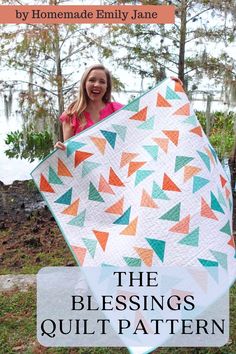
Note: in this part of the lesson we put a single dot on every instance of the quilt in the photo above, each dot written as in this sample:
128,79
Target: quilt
142,187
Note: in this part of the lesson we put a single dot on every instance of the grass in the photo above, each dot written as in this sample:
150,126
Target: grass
18,330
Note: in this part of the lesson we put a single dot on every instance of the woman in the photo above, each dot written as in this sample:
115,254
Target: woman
92,104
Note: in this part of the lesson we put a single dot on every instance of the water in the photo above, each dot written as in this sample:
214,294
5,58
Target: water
17,169
12,169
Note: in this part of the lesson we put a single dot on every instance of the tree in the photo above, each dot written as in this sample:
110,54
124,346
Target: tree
51,56
184,49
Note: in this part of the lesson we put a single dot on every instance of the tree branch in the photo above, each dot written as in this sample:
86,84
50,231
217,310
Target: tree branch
30,83
200,13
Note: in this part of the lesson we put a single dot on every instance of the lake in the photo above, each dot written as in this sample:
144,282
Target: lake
12,169
17,169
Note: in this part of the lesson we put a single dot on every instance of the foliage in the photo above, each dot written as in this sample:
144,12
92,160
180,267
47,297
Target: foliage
186,49
30,145
47,60
221,131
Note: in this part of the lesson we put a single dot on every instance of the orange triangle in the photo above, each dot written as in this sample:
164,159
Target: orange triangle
162,102
183,111
145,254
190,171
178,87
141,115
72,209
197,131
169,185
179,294
62,170
100,143
80,253
231,242
206,210
223,181
173,135
80,156
210,155
44,186
142,316
114,179
227,193
147,200
162,143
134,166
104,186
126,157
102,238
182,226
130,230
116,208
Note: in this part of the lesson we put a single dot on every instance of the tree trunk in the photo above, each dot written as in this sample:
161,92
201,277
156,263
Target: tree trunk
59,82
181,64
60,98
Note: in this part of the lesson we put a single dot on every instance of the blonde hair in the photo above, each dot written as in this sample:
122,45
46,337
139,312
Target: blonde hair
79,105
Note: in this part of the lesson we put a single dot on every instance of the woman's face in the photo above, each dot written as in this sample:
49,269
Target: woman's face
96,85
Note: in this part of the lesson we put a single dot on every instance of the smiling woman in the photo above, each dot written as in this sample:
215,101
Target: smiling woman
92,104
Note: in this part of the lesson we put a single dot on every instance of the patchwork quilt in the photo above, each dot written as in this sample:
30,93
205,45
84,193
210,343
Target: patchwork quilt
142,187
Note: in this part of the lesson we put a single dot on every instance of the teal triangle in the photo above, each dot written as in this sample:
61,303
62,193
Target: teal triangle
53,177
90,245
105,273
211,266
65,198
94,194
168,282
120,130
133,106
208,263
88,167
171,95
110,137
78,220
198,183
132,262
72,146
213,153
221,198
191,239
181,161
172,214
192,120
158,193
141,175
124,218
205,158
215,205
221,258
230,204
148,124
226,229
152,150
158,247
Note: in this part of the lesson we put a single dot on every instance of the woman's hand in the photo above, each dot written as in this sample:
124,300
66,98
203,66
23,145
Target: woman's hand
59,145
177,80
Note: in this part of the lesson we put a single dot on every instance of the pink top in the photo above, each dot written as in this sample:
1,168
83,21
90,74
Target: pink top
110,108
